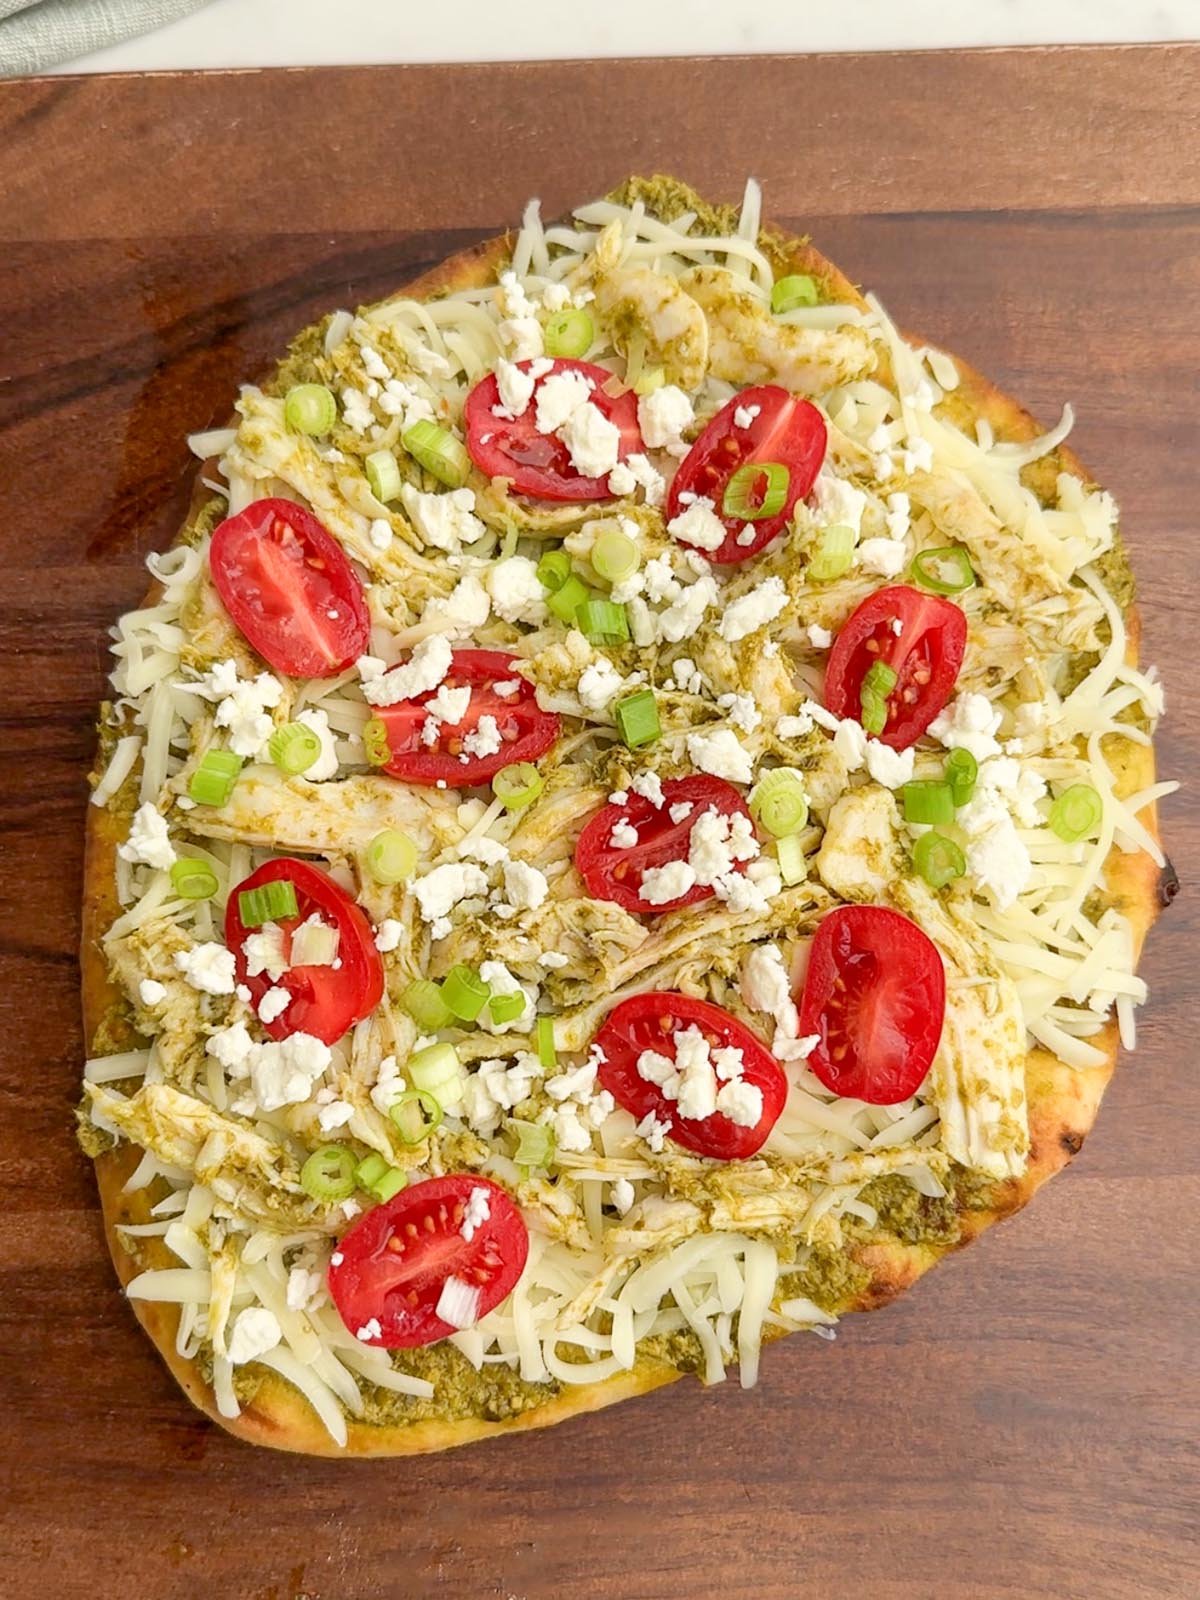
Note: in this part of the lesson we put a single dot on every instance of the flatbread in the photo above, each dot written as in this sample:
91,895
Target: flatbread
1063,1101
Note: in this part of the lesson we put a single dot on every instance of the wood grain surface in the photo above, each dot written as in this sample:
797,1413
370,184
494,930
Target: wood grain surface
1025,1424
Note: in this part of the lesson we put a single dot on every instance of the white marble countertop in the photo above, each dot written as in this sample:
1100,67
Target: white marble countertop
267,33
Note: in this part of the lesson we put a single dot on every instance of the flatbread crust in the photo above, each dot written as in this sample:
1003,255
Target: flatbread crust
1062,1100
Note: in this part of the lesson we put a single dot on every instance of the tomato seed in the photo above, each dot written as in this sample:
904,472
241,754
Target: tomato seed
430,1225
410,1229
396,1244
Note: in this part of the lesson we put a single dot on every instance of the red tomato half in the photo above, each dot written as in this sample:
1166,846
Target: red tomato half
391,1267
289,588
539,464
925,656
875,995
326,1001
649,1022
786,428
613,873
526,731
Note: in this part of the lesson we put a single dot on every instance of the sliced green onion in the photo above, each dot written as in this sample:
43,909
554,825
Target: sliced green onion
424,1003
212,782
328,1174
873,714
602,621
309,408
504,1008
438,1071
465,992
370,1169
945,571
517,786
961,769
375,742
779,803
793,867
269,902
391,856
314,944
192,879
415,1115
757,490
880,679
566,601
615,556
1076,813
547,1054
937,859
293,748
535,1143
834,554
637,718
383,475
797,290
649,379
553,569
568,333
927,800
440,452
389,1185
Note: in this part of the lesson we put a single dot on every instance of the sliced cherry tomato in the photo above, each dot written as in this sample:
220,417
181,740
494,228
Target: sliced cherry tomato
525,730
925,656
784,428
539,464
289,588
650,1022
389,1270
875,996
614,873
326,1001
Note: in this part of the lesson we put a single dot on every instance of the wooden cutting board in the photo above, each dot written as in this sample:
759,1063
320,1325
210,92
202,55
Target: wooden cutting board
1025,1424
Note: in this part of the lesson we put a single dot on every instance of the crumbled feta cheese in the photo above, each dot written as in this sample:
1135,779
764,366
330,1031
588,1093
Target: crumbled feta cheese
681,811
388,934
553,959
233,1048
918,455
517,592
820,638
516,389
661,582
662,416
654,1130
150,991
243,706
525,887
559,397
484,739
449,705
255,1332
681,619
850,744
334,1115
379,534
598,683
356,410
149,840
741,1102
1020,787
1000,862
745,415
522,337
371,1329
969,722
637,470
274,1003
477,1211
326,764
444,519
465,609
741,711
885,557
623,836
898,515
687,676
421,673
262,951
621,1196
305,1288
373,364
721,754
661,885
439,891
649,785
207,967
593,441
754,610
838,503
889,767
699,525
717,843
283,1071
494,1087
370,668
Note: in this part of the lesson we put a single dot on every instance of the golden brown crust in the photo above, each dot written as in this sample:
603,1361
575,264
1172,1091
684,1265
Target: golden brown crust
1063,1101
